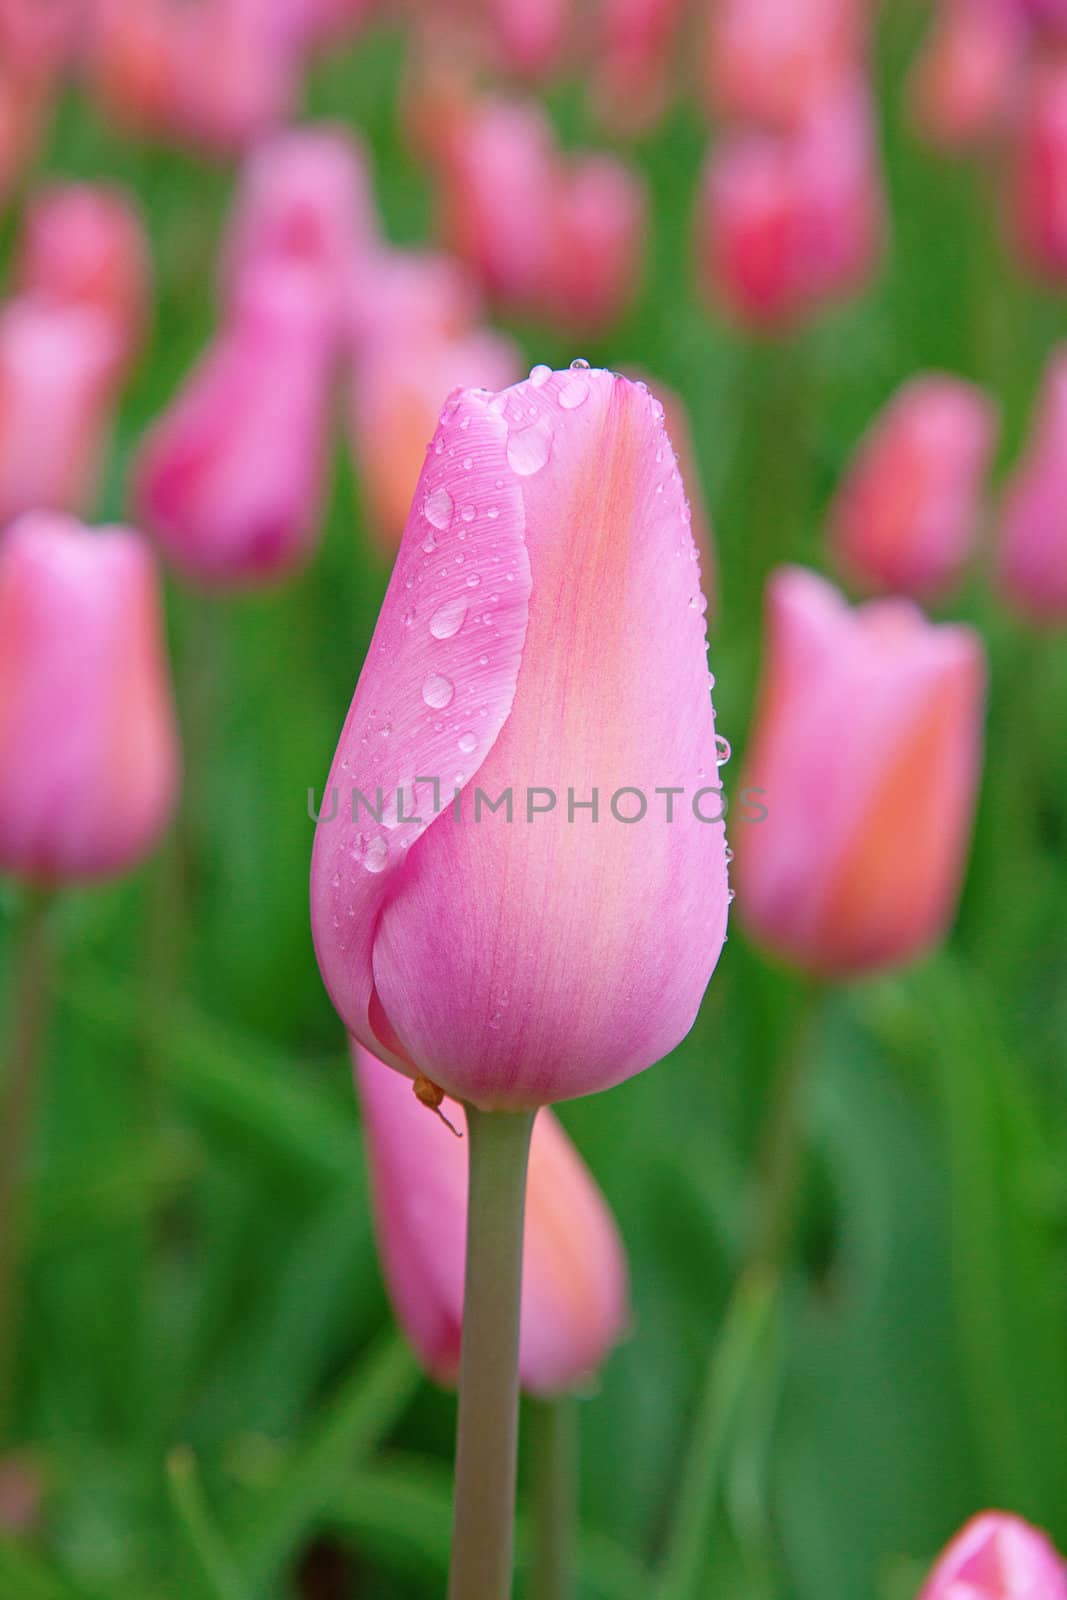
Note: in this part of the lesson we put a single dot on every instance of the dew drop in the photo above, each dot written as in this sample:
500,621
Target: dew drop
723,752
448,619
438,509
579,364
468,513
573,394
437,691
473,581
429,544
493,513
468,462
376,856
539,376
468,743
529,449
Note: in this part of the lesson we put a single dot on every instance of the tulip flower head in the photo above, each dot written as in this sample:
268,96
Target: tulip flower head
542,638
998,1557
84,245
88,748
599,234
970,73
230,480
529,35
57,379
1038,192
1031,560
906,516
775,61
865,755
399,296
637,40
574,1297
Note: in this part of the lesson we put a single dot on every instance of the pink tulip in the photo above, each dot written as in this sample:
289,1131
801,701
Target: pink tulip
498,192
304,201
1038,195
397,392
543,634
57,379
680,428
39,37
84,245
1048,16
637,40
574,1295
24,104
865,756
600,225
793,221
1032,552
88,748
309,25
774,61
410,295
907,514
230,480
529,35
969,74
998,1557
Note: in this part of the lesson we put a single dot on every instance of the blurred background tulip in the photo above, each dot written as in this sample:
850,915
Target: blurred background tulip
88,748
775,61
574,1306
598,244
907,515
866,754
1032,543
998,1557
230,480
1038,189
549,525
970,75
637,45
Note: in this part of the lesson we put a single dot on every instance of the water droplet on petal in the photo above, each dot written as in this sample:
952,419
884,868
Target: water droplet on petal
438,509
467,743
580,364
448,619
376,856
529,449
573,394
468,462
473,581
437,691
723,751
468,513
540,375
493,513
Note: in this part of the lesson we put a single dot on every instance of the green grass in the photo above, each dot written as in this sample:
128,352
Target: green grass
208,1374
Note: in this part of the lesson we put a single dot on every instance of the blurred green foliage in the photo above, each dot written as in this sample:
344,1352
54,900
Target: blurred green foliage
208,1375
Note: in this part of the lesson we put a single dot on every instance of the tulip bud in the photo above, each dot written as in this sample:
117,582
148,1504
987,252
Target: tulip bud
1032,553
230,480
968,75
998,1557
600,223
529,35
397,392
88,747
57,379
498,191
84,245
574,1292
1038,197
37,39
636,43
24,102
907,514
410,294
304,201
865,759
791,221
309,25
774,61
541,650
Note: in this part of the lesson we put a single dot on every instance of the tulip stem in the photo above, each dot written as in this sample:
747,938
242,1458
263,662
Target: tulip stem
487,1437
29,1004
782,1149
555,1495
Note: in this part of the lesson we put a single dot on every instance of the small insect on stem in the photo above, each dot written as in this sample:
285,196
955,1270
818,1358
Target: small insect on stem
428,1094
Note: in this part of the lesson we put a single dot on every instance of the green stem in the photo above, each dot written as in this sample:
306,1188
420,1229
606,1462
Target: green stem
555,1497
782,1151
487,1440
30,993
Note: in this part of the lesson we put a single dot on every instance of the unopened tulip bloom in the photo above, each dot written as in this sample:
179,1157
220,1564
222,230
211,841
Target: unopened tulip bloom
1032,546
574,1296
304,201
906,517
309,25
529,35
543,634
1038,188
791,221
88,749
397,392
600,222
636,41
230,480
57,379
774,61
39,39
865,756
998,1557
84,245
969,74
399,295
